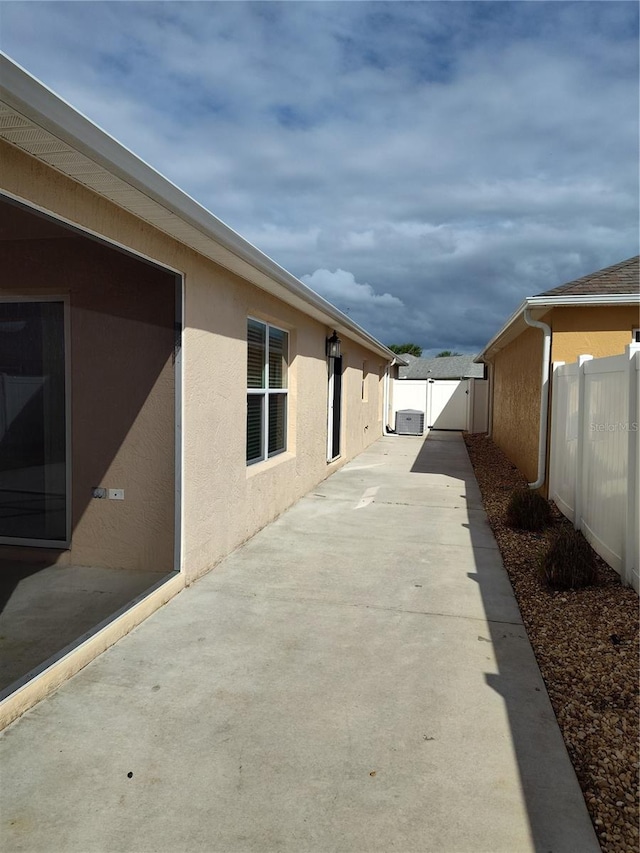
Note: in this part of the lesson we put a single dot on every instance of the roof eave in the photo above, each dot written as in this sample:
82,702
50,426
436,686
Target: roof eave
503,337
583,299
491,348
37,103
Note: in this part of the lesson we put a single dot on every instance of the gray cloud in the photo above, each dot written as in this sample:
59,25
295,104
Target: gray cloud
423,165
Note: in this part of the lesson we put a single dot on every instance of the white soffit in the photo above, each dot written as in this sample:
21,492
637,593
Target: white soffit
49,149
133,185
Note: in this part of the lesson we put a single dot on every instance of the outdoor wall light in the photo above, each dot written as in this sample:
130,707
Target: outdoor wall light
333,345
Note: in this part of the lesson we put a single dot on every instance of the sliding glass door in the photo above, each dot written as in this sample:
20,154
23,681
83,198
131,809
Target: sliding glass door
34,500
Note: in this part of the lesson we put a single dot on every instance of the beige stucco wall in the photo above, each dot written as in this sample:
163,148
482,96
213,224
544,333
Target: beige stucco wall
224,501
121,319
480,413
598,331
516,400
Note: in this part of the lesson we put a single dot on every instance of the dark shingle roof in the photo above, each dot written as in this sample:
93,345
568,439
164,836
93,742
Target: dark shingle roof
446,367
619,278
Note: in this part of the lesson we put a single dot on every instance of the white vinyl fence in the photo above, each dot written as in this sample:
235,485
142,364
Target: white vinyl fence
594,476
456,404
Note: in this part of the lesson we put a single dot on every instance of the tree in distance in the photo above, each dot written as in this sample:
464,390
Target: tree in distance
410,349
446,353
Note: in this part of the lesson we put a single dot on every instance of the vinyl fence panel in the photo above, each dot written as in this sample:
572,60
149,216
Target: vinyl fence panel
595,453
564,438
604,460
409,394
448,404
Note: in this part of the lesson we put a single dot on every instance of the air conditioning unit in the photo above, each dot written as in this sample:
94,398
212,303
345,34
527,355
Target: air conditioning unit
409,422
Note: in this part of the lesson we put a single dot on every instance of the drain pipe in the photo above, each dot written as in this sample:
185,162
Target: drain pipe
544,397
490,400
385,395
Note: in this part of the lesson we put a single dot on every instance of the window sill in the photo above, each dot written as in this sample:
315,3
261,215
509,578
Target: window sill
268,464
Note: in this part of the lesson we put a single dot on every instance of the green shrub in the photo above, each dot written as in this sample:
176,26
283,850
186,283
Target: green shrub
528,510
569,562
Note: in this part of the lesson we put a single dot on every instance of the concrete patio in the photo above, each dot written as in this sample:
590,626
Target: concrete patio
355,678
45,608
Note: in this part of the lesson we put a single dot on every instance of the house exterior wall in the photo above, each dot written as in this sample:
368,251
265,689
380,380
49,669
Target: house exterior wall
480,400
121,329
599,331
224,501
516,400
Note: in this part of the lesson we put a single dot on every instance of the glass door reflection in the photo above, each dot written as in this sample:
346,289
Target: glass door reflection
33,453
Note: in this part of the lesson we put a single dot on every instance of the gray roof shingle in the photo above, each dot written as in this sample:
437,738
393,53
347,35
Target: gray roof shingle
619,278
446,367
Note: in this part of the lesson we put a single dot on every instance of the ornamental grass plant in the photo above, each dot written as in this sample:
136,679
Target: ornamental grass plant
569,562
527,510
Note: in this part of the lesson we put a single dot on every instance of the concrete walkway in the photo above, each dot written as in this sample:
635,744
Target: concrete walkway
355,678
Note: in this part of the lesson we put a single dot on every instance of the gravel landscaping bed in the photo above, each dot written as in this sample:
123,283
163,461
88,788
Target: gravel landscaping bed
586,645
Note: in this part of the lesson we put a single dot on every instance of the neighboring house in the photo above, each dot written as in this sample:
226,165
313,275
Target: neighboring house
151,355
444,367
450,391
596,315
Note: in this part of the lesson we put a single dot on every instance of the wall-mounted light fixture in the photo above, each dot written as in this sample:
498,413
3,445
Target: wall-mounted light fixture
333,345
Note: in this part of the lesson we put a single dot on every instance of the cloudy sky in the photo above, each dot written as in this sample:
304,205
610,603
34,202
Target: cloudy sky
423,165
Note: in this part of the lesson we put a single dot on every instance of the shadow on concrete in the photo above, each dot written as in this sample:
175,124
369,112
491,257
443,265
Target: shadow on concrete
11,574
439,454
48,609
549,785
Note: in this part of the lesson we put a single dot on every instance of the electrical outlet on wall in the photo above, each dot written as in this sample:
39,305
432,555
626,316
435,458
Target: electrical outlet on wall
98,492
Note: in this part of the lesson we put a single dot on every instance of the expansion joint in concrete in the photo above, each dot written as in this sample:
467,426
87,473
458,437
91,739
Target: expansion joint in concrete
308,600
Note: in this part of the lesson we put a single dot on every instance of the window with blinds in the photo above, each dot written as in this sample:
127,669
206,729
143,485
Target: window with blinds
267,366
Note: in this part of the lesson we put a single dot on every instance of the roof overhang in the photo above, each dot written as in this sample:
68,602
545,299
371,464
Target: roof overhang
585,299
36,120
539,306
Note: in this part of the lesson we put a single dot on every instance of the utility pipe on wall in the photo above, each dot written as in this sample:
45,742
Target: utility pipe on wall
385,395
387,380
544,397
490,376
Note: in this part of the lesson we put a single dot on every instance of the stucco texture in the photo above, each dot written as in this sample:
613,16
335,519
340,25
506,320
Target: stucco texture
226,501
595,330
121,319
599,331
516,406
223,501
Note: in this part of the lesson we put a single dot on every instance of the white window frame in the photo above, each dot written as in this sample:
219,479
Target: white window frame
267,392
